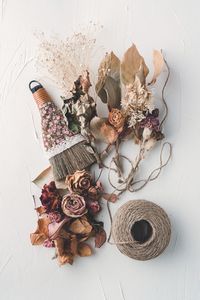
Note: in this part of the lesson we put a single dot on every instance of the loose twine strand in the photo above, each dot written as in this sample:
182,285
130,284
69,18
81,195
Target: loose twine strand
128,183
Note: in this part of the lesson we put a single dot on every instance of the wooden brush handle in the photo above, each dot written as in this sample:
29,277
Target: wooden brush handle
39,93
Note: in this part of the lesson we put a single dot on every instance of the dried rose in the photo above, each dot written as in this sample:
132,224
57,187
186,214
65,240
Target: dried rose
73,205
50,197
157,135
151,121
93,193
117,119
79,182
93,207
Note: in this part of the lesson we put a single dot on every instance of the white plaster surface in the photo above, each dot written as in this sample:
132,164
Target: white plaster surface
28,272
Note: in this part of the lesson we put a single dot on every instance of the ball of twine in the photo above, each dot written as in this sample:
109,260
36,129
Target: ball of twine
141,229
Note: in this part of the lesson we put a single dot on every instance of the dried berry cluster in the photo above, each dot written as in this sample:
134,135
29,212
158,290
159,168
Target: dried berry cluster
66,222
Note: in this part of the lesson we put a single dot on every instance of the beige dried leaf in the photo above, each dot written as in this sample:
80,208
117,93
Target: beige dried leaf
133,64
158,62
41,233
108,84
41,210
47,176
84,249
100,238
103,131
73,245
80,226
110,197
63,256
37,238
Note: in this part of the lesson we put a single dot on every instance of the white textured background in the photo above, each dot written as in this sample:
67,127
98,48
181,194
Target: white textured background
28,272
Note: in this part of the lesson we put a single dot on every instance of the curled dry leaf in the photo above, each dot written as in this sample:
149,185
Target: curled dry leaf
41,233
100,237
81,226
37,238
47,176
54,228
103,131
63,256
84,249
40,210
158,62
73,245
108,85
110,197
133,64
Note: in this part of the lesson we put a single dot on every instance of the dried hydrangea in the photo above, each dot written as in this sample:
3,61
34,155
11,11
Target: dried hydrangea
64,60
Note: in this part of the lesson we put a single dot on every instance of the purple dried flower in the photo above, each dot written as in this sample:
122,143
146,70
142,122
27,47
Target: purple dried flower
151,121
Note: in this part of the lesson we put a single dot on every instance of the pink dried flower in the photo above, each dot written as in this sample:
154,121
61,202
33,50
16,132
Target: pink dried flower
48,243
55,216
73,205
93,207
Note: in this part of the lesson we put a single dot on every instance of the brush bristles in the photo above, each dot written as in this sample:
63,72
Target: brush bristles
75,158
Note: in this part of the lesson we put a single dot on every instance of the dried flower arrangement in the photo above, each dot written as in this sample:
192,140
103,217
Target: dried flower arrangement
66,218
67,222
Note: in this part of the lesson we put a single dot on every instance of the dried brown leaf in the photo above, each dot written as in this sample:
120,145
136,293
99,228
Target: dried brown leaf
63,256
108,85
100,238
158,62
64,234
37,238
110,65
43,224
73,245
47,176
41,233
133,64
103,131
54,228
110,197
110,93
80,226
84,249
41,210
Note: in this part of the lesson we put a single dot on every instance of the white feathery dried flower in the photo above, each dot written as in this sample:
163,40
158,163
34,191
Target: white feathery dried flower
63,60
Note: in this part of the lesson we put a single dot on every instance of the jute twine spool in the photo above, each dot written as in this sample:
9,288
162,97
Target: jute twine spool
141,229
